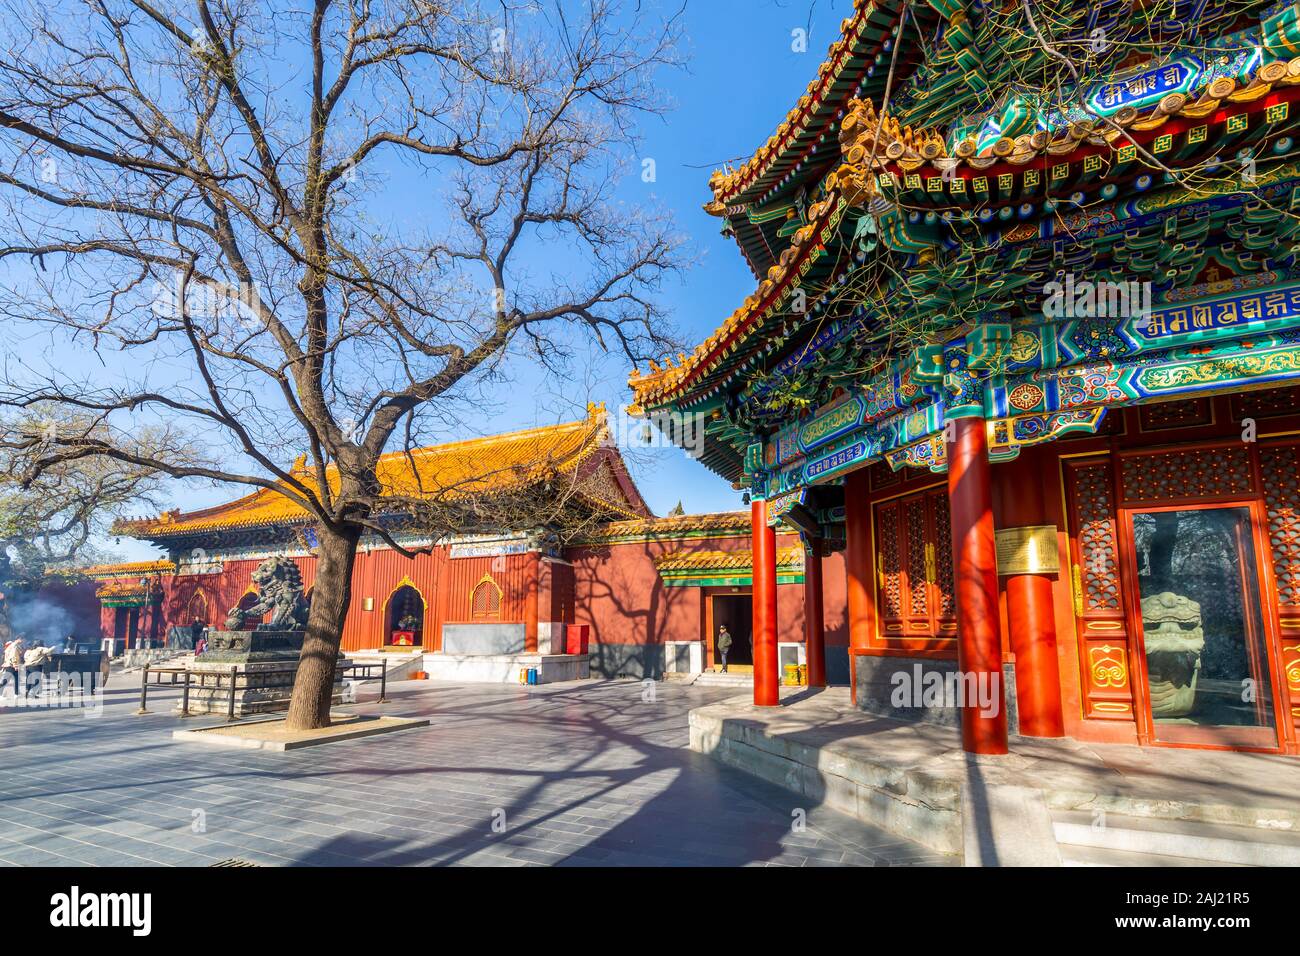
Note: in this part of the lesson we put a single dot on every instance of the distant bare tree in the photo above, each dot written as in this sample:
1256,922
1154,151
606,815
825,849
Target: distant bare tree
50,519
202,186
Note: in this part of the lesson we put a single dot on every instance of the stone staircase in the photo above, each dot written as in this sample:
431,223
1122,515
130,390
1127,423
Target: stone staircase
1121,840
718,679
398,665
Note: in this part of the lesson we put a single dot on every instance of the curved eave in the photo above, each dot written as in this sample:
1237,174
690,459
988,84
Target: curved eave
807,128
721,352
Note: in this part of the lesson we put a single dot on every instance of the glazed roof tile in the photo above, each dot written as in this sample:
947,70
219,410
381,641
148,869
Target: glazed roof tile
787,559
661,381
129,569
476,466
722,523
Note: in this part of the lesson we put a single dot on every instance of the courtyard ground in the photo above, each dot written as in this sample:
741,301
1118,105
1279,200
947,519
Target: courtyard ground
589,773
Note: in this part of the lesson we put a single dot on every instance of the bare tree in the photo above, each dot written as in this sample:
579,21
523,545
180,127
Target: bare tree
308,228
51,520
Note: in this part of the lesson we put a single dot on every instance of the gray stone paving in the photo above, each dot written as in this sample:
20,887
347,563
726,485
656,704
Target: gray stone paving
580,774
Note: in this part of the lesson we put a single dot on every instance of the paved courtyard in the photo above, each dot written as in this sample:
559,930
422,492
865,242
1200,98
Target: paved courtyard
587,773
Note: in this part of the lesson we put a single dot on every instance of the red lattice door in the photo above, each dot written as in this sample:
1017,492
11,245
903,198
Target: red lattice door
1279,467
1101,625
915,575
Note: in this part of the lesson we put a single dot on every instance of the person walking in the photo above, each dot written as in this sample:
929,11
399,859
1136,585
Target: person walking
13,665
724,645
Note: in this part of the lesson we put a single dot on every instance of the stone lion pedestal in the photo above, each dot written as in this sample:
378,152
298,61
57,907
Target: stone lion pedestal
266,662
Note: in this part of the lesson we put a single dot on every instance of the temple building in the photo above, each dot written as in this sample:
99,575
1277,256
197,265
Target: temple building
1024,366
626,594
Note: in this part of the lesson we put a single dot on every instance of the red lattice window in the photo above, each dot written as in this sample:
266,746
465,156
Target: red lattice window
1098,568
918,556
485,600
1271,403
947,611
915,594
1192,473
888,563
1098,601
1278,466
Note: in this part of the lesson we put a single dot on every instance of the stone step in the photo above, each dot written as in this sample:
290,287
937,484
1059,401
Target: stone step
397,664
716,679
1219,843
1079,856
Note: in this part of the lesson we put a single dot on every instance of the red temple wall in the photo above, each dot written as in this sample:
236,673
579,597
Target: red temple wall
614,588
445,585
619,593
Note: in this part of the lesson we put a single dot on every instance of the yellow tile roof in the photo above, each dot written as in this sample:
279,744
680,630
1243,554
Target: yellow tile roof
123,589
475,466
787,559
131,569
728,523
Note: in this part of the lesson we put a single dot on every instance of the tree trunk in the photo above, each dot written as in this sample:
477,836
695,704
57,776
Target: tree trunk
331,594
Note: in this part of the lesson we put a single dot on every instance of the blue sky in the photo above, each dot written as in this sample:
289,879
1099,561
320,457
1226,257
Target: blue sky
741,77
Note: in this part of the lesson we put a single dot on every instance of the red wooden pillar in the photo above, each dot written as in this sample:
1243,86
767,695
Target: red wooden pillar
532,583
979,645
813,616
858,562
766,683
1031,615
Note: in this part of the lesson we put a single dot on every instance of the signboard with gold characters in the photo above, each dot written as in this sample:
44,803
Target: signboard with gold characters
1028,550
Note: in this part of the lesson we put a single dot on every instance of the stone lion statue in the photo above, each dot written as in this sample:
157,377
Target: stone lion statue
279,587
1174,640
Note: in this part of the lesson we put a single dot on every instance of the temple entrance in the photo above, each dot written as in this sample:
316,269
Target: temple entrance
1204,649
197,609
405,618
736,611
126,628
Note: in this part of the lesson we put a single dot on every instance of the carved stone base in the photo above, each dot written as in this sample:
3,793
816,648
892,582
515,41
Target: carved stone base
242,647
263,686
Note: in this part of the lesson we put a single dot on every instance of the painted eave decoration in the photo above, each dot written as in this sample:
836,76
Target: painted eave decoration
913,166
726,568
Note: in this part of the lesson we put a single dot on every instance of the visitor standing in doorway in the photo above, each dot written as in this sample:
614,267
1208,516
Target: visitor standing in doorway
724,645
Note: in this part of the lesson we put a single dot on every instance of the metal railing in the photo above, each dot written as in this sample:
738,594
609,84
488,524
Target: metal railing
350,670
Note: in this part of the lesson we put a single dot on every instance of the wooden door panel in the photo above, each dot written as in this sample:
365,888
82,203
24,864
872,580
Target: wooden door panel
1101,626
1279,467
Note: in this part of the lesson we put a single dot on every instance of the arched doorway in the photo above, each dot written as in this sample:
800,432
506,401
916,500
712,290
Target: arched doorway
195,621
404,618
197,609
